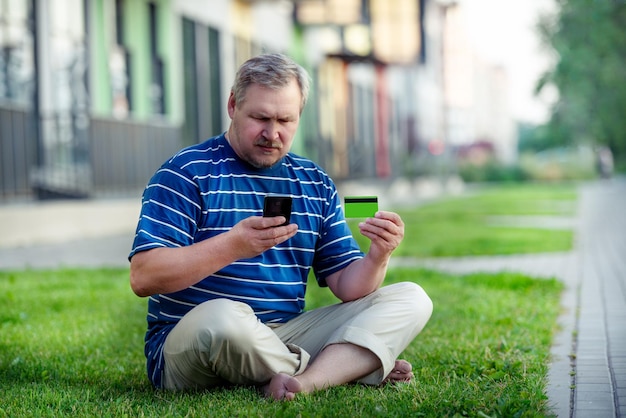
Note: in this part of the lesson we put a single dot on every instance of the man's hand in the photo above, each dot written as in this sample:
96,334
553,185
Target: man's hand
386,231
256,234
167,270
364,276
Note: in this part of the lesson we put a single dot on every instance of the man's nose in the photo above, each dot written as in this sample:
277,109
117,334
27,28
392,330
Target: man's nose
271,129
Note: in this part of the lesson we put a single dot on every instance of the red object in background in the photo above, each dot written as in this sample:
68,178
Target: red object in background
436,147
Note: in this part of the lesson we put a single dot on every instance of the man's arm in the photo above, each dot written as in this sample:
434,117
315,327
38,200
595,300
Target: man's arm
364,276
167,270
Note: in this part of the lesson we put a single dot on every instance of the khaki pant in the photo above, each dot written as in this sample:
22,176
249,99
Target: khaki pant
222,341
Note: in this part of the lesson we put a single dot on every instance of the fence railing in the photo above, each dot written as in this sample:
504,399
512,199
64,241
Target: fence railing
18,151
124,154
122,157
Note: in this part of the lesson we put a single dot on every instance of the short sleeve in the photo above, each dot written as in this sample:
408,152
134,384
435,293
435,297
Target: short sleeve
170,211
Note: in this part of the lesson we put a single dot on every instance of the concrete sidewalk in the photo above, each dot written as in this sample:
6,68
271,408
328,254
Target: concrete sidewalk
75,233
587,375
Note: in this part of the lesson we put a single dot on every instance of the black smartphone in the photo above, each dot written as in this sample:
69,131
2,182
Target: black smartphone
277,206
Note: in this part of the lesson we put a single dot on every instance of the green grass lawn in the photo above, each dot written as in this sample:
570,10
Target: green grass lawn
460,226
71,343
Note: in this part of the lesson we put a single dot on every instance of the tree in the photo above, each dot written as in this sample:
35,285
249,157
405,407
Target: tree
589,39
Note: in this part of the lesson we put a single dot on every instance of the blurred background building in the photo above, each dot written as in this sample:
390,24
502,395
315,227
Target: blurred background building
96,94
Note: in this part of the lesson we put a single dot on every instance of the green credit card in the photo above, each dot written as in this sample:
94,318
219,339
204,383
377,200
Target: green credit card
360,206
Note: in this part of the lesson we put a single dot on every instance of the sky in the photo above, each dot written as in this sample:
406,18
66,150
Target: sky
503,33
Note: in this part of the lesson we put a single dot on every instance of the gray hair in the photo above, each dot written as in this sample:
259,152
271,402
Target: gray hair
272,71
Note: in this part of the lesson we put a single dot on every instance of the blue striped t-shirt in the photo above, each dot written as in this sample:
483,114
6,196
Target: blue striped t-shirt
206,189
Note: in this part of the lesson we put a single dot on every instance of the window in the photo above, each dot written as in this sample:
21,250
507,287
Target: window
157,86
16,52
119,67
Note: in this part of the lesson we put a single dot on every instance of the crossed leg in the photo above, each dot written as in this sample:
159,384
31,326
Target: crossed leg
393,310
235,347
329,369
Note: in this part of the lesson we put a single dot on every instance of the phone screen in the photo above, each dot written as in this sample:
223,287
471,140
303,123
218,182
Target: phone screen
277,206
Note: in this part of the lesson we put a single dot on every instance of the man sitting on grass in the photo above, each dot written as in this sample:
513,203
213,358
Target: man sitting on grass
226,285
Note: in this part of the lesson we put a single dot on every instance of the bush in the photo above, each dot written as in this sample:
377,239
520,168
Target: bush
492,171
558,164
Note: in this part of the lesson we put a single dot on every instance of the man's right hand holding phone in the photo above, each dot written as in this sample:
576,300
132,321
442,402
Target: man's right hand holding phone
257,234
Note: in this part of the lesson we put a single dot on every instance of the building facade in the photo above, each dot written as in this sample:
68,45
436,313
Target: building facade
95,94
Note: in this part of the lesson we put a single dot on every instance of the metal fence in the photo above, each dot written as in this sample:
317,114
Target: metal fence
18,151
125,154
122,157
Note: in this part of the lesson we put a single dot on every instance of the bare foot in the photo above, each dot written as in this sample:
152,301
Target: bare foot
402,372
283,387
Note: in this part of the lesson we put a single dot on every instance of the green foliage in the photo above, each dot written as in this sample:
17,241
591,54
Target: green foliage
561,164
532,138
589,38
71,343
492,171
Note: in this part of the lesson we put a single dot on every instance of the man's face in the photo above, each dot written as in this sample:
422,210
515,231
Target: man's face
264,124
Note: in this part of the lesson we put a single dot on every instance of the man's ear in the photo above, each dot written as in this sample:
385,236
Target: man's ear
231,104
